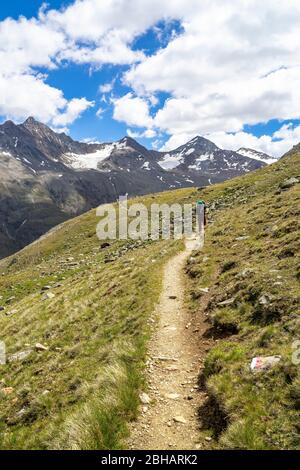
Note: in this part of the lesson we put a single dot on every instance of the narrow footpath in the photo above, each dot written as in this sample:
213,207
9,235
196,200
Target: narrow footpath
169,408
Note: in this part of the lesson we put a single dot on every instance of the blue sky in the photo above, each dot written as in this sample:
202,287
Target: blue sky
77,80
169,71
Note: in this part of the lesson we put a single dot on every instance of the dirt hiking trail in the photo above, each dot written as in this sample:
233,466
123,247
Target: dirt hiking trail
169,409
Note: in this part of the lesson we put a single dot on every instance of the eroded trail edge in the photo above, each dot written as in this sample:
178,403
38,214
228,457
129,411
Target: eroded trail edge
169,410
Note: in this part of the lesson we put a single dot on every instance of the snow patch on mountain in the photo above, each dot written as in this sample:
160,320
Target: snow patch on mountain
201,158
88,161
260,156
146,166
169,162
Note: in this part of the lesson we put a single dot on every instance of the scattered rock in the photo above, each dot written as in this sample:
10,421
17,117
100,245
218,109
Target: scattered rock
208,439
261,363
226,302
288,183
19,356
165,358
145,399
41,347
172,396
245,273
11,312
48,295
20,413
2,308
264,299
172,297
46,288
205,290
104,245
179,419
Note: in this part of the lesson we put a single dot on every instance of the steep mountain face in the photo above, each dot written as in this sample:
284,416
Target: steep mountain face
47,177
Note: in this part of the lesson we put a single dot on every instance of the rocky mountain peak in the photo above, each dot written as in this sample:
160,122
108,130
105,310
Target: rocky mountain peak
129,143
32,125
30,121
8,125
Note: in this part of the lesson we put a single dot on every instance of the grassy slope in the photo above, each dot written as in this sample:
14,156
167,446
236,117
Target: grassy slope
252,411
81,391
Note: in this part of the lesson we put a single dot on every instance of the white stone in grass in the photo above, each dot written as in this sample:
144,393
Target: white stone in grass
145,399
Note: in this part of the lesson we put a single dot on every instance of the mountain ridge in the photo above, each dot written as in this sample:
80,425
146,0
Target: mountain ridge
42,168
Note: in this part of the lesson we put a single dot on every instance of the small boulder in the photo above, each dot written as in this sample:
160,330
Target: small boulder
46,288
264,299
172,396
171,368
19,356
226,302
41,347
48,295
11,312
245,273
104,245
261,363
145,399
289,182
205,290
179,419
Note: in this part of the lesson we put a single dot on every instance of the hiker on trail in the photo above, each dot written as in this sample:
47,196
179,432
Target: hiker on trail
201,216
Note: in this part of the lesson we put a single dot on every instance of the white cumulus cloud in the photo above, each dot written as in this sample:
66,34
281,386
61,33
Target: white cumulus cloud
235,63
132,110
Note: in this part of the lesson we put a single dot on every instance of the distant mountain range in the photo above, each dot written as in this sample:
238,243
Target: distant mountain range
47,177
